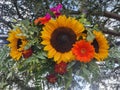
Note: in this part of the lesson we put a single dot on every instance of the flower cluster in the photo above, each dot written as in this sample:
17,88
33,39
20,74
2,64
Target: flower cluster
64,39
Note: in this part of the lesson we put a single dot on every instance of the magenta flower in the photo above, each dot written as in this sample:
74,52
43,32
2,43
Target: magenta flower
47,16
56,10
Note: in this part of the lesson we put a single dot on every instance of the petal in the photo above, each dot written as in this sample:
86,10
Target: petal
51,53
45,42
48,47
57,56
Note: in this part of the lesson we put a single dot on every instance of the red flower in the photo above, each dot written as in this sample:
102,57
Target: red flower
61,68
51,78
42,20
83,51
27,53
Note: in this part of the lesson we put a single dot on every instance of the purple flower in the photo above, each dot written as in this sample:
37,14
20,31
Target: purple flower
56,10
47,16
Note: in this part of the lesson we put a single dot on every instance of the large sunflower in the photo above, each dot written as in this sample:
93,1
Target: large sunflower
101,46
59,36
17,43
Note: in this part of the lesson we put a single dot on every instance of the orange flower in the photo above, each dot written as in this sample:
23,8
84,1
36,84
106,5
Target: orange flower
27,53
51,78
61,68
42,20
83,51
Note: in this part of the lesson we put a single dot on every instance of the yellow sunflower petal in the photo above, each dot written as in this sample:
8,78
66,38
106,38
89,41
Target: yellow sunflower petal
53,35
57,56
102,46
51,53
48,47
45,42
15,47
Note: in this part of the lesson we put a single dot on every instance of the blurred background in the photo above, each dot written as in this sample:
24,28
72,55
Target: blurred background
105,14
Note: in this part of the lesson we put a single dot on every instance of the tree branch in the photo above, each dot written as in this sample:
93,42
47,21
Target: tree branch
17,10
111,32
106,14
108,31
109,15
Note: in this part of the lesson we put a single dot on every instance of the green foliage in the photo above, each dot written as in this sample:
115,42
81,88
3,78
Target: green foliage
31,32
5,67
68,79
90,71
90,36
114,58
89,27
84,20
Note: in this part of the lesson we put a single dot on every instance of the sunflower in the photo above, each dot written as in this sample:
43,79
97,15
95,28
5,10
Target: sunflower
83,51
59,36
17,43
101,46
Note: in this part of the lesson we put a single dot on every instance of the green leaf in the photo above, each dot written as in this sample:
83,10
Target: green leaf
26,22
94,69
84,20
71,64
96,27
9,75
3,85
85,73
68,79
90,36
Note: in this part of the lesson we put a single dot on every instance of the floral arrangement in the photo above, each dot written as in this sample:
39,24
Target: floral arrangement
55,47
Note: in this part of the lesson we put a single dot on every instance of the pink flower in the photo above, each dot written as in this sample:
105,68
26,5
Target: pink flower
48,17
56,10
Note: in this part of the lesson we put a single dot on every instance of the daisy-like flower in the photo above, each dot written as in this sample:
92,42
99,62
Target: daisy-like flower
101,46
61,68
59,36
42,20
56,10
51,78
83,51
17,43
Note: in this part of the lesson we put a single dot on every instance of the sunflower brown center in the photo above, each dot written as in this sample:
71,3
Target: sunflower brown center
62,39
96,46
19,42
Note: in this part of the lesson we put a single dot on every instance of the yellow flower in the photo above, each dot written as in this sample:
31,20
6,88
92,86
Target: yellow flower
59,36
16,43
101,46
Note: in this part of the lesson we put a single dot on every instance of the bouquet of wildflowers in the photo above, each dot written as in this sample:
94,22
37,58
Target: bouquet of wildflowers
55,47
